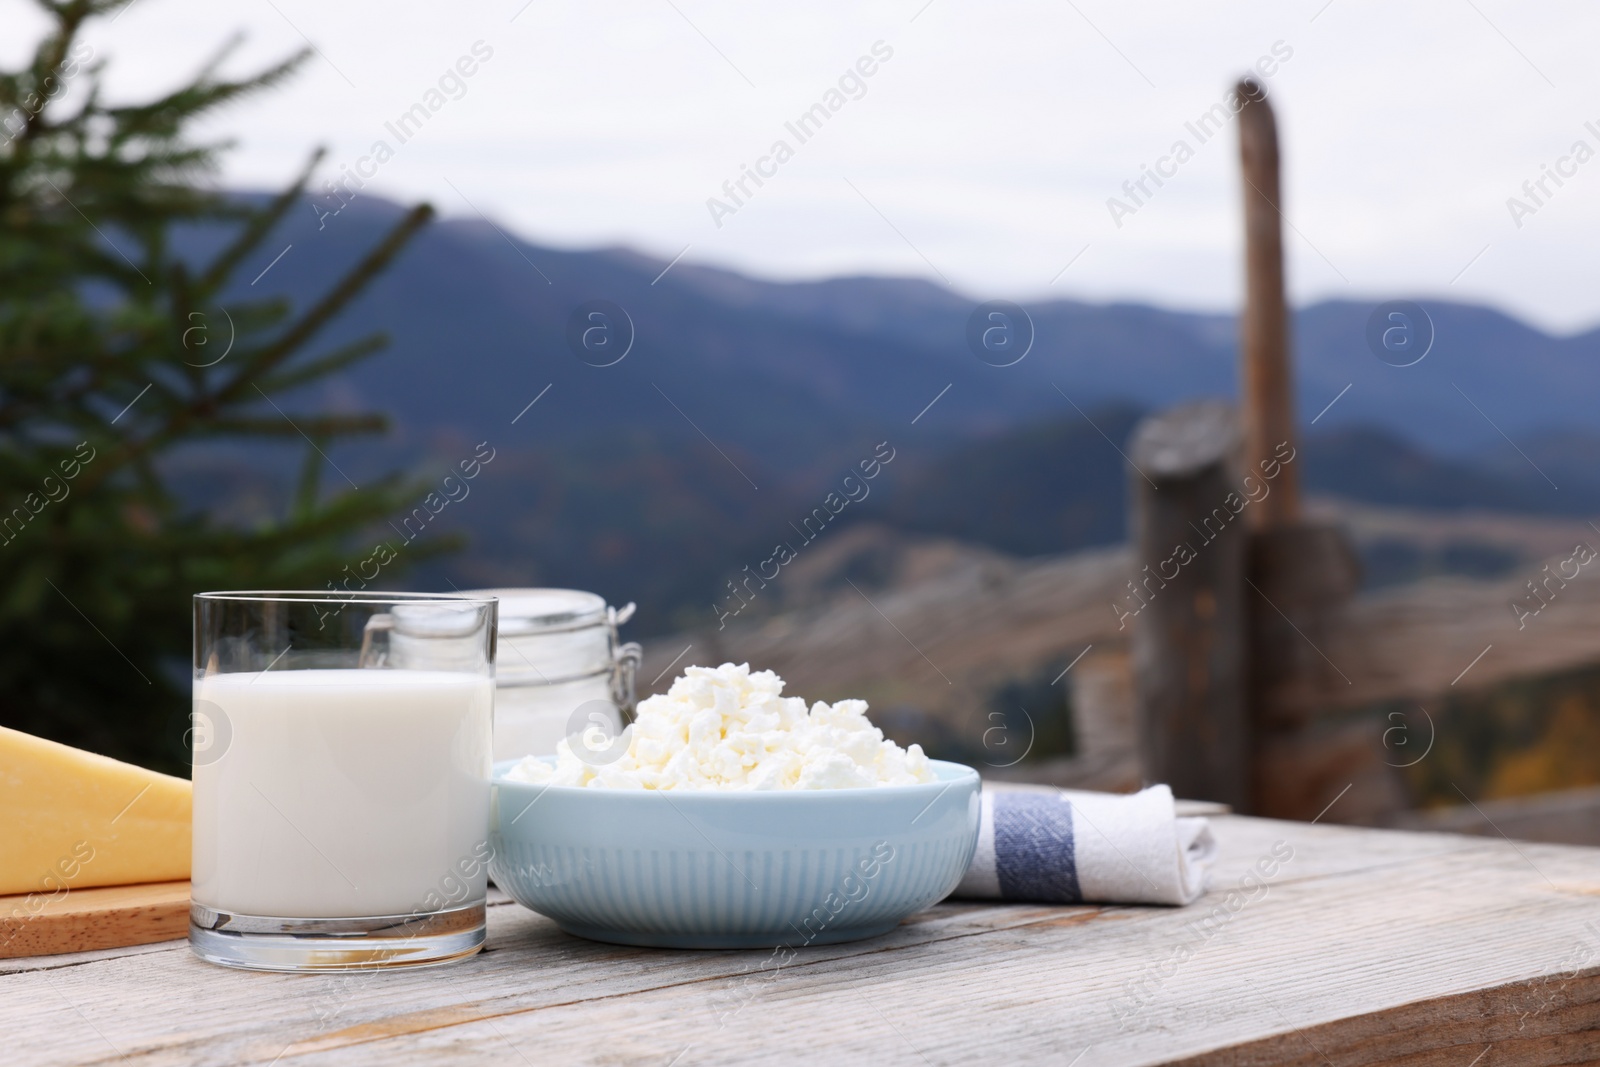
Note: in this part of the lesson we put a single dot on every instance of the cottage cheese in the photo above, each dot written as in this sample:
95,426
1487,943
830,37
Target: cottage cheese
731,728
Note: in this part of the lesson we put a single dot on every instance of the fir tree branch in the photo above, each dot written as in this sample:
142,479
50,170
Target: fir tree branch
260,224
337,360
330,305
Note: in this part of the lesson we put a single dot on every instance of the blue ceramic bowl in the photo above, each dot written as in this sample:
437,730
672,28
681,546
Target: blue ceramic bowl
696,869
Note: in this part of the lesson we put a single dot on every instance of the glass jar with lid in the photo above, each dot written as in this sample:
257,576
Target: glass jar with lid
558,652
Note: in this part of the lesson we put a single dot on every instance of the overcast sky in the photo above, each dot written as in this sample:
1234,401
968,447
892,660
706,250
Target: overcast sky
983,150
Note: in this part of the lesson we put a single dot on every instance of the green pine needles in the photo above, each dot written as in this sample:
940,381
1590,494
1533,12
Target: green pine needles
111,358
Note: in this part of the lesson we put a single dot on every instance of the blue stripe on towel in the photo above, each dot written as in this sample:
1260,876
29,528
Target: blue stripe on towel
1034,857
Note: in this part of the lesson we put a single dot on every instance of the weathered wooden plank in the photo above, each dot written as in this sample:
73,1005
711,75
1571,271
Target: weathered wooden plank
1355,924
1038,993
1553,1019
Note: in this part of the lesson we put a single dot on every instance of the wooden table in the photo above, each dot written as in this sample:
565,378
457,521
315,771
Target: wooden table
1366,947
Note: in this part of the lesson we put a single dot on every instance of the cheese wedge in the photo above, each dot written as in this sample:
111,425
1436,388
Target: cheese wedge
70,819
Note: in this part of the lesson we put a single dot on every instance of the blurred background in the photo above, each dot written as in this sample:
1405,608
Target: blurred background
261,364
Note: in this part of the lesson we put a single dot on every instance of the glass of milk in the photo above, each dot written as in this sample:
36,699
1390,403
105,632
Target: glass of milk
341,791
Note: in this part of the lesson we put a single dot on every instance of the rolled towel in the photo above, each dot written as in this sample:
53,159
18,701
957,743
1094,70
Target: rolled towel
1070,847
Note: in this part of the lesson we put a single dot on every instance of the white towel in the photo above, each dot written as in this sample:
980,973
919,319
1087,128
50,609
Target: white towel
1070,847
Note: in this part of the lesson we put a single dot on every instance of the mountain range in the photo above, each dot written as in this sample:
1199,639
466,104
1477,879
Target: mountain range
737,404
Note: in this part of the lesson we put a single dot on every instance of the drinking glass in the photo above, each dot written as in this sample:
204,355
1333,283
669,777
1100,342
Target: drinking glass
341,791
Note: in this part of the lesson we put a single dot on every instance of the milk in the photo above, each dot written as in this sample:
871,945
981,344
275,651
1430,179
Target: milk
342,793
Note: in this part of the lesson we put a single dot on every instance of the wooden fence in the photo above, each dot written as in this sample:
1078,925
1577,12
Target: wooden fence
1251,647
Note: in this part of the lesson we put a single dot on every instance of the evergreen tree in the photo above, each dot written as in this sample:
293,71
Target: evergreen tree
111,358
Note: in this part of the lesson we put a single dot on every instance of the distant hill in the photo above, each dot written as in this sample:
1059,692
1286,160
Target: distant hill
1037,490
479,321
1380,466
1059,486
742,402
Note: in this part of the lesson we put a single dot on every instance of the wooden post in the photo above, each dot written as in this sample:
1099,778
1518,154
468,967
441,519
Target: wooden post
1186,603
1267,390
1300,574
1233,603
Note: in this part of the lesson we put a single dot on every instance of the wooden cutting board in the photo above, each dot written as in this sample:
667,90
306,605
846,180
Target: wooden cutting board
105,917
